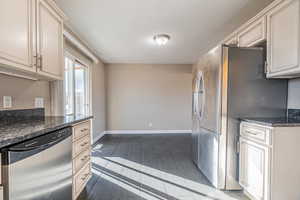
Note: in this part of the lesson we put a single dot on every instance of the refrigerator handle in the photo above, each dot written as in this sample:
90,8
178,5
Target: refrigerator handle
266,67
237,148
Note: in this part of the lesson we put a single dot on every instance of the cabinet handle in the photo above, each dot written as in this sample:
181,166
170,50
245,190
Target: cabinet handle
84,158
36,57
85,176
250,132
85,129
84,144
41,62
266,67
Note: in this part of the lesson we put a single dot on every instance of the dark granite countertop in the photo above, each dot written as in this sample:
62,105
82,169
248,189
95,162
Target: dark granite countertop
274,122
21,129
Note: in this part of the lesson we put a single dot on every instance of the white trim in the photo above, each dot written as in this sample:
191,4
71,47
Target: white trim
132,132
73,38
98,137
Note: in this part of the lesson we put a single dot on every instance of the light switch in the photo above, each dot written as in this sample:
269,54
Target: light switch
39,102
7,101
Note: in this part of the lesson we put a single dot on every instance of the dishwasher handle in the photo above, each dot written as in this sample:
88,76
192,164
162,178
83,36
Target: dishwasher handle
29,148
42,142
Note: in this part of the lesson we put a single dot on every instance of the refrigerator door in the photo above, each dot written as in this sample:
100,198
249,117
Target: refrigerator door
234,87
210,68
210,121
197,112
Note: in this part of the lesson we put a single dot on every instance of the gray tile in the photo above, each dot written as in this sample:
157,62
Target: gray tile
148,167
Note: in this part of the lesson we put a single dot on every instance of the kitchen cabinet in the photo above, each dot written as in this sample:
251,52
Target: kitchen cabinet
254,169
279,25
81,156
268,164
31,38
17,38
283,40
252,33
50,41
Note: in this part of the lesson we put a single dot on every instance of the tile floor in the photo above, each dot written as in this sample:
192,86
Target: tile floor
148,167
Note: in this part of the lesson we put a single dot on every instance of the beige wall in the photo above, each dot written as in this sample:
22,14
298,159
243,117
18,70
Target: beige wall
139,94
98,99
23,92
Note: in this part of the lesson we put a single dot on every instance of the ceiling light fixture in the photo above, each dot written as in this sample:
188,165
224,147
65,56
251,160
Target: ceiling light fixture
161,39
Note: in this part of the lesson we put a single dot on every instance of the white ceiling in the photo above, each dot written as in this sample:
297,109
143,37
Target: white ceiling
121,31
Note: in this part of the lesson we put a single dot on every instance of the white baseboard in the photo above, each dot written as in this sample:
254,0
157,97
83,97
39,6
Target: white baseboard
133,132
99,137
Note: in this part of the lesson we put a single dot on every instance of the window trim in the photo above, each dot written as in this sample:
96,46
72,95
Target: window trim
87,85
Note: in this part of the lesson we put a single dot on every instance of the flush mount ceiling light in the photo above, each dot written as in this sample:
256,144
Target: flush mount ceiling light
161,39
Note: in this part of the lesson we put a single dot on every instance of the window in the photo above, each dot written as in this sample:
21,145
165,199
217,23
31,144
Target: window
76,87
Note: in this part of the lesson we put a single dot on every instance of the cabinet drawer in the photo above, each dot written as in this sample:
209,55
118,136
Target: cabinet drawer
256,133
81,160
81,145
81,179
81,130
253,33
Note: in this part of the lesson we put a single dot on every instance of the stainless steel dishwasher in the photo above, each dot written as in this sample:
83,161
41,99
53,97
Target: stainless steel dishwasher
39,169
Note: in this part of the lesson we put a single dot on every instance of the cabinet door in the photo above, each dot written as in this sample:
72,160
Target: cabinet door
253,33
254,169
50,41
283,40
17,22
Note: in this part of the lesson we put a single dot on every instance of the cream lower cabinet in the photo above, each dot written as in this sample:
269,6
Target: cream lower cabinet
31,38
254,165
283,39
81,152
269,168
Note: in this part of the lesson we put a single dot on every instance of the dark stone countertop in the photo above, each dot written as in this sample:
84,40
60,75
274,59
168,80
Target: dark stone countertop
31,127
274,122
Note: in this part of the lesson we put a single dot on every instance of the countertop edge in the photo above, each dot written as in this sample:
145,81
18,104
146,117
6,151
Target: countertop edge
6,143
270,124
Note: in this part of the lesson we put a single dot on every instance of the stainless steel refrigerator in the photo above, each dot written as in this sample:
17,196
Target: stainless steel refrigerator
229,84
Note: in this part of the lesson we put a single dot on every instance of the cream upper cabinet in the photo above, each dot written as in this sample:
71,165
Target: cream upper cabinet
31,38
252,33
50,41
283,40
17,38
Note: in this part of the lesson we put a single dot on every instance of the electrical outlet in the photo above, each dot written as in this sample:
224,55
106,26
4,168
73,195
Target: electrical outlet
7,101
39,102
